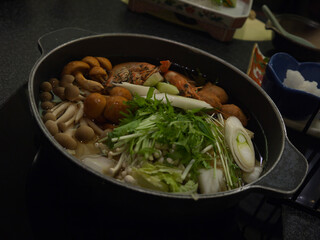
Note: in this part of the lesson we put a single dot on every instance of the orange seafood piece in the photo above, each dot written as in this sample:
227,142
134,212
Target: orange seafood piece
131,72
210,90
165,65
182,83
228,110
212,99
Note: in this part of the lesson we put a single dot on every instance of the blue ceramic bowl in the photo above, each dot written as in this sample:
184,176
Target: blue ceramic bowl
293,104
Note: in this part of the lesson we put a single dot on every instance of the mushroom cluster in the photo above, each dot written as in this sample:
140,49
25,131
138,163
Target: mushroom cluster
90,73
81,109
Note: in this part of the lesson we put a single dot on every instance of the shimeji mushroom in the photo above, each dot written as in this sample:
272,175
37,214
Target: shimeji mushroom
45,96
47,105
46,86
55,112
72,93
54,82
78,68
59,91
63,126
52,125
95,127
84,133
66,139
66,80
80,112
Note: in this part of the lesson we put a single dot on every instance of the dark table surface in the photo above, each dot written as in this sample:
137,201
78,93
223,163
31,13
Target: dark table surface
22,23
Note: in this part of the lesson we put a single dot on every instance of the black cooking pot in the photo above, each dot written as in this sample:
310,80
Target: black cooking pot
284,170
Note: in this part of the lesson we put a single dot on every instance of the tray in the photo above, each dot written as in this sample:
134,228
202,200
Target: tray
220,22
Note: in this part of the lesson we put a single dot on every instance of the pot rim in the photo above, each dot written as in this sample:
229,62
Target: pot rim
34,109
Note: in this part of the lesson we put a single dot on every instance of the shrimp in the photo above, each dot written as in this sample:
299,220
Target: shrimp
182,83
131,72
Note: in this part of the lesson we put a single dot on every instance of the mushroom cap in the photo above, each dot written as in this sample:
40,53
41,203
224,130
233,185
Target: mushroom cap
121,91
75,66
52,127
115,106
98,74
84,133
46,86
66,141
45,96
66,80
92,61
63,126
94,105
71,92
59,91
49,116
105,63
47,105
54,82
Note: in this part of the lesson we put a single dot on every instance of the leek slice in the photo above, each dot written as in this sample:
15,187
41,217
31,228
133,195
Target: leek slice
153,80
240,144
182,102
167,88
135,89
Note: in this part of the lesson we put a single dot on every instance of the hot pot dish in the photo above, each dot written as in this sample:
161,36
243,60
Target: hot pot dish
161,117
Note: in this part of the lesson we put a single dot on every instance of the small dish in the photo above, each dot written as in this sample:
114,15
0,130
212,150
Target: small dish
302,27
293,104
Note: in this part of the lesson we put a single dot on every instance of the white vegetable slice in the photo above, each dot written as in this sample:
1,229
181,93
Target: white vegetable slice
135,89
249,177
98,163
211,181
240,144
153,79
167,88
182,102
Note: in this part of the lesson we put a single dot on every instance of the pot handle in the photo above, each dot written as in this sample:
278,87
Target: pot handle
53,39
288,174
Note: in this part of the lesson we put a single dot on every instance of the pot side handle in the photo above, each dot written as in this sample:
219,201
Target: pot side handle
289,173
53,39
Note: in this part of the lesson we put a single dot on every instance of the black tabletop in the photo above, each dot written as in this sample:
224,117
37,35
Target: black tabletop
22,23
